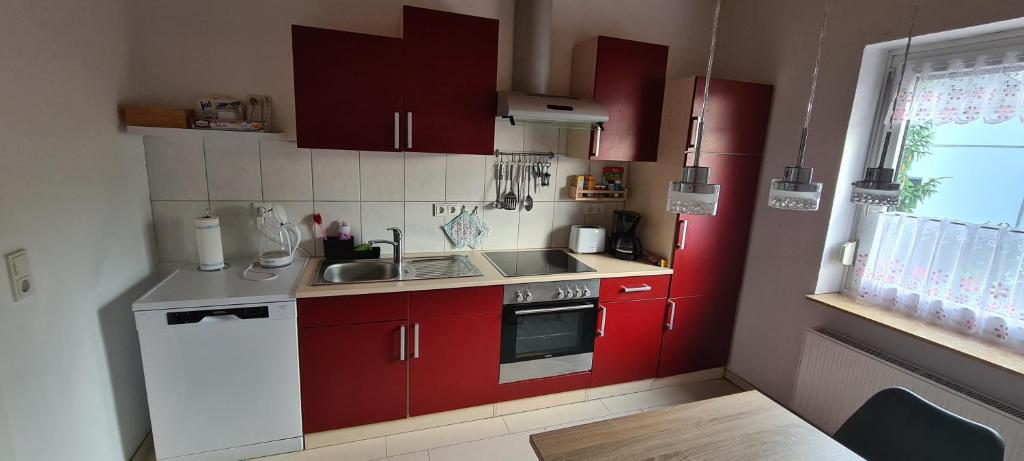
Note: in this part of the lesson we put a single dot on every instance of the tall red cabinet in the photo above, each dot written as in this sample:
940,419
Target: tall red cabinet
708,253
367,92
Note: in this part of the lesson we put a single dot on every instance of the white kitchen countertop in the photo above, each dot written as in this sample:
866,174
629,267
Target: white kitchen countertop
605,267
187,286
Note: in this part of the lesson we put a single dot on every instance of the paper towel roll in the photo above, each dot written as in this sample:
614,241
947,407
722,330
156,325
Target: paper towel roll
211,251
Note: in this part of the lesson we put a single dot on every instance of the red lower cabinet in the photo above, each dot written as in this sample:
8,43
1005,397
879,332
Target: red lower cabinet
700,335
454,362
351,375
629,348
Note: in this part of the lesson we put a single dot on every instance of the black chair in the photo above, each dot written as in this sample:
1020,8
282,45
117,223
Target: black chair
896,424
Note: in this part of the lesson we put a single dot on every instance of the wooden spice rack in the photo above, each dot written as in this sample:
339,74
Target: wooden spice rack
597,195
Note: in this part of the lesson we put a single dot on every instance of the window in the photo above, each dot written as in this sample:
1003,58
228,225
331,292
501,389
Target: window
952,252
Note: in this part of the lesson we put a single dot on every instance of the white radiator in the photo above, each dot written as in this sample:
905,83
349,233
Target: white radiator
837,375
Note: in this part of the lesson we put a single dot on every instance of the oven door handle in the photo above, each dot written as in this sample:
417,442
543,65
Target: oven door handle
579,307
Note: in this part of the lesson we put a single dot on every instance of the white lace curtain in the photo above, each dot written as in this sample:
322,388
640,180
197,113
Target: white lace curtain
965,277
963,91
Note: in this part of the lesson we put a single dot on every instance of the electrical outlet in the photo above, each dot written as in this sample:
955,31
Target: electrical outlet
447,209
593,208
260,207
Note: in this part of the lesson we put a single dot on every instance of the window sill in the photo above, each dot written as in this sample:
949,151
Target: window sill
966,345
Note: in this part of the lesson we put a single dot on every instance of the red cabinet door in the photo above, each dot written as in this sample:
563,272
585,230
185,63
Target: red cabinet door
450,64
736,118
351,375
711,250
700,333
454,362
629,347
348,89
629,80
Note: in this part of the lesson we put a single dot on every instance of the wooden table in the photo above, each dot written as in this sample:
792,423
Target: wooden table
741,426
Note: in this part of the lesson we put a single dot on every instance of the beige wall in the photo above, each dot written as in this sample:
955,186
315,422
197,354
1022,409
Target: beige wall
73,193
774,42
183,50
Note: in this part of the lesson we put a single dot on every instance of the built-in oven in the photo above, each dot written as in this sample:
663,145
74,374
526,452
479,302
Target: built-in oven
548,329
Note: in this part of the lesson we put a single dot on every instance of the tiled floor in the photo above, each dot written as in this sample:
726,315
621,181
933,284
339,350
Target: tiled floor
506,438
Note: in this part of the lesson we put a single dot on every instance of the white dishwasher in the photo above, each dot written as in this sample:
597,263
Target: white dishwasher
222,380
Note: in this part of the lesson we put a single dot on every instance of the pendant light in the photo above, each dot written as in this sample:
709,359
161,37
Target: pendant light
796,190
694,195
878,186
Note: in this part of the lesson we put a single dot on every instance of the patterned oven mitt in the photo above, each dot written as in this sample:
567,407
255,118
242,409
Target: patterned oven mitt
467,229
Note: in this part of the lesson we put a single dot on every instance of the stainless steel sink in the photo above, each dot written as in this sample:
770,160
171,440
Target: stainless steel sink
376,270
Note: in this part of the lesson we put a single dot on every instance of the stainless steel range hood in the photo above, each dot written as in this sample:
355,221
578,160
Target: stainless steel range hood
530,66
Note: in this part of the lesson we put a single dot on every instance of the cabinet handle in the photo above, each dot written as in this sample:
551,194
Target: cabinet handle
641,288
408,130
415,340
597,142
397,131
604,318
681,243
689,141
401,343
671,315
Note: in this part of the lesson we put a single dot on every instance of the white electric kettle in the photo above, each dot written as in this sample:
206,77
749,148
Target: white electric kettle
279,239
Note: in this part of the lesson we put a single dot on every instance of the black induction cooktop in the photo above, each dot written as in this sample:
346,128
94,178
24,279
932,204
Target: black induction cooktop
535,262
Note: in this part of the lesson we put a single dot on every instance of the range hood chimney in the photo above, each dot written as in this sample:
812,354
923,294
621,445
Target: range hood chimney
531,57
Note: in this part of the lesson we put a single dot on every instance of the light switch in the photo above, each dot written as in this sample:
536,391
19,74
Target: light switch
20,273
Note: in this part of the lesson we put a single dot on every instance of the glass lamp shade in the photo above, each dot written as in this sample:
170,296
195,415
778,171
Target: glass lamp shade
693,195
795,191
877,188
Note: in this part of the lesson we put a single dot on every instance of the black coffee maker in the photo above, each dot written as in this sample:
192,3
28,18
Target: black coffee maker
624,244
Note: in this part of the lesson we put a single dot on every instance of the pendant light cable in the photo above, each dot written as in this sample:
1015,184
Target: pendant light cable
707,86
814,86
899,86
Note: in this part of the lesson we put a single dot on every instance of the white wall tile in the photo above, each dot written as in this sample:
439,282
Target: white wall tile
424,177
508,137
287,171
233,167
376,217
567,167
504,228
546,194
535,226
540,138
422,229
382,176
565,215
606,218
175,167
237,229
465,177
335,175
175,233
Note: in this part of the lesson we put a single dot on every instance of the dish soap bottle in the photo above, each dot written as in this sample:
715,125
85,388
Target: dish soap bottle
346,231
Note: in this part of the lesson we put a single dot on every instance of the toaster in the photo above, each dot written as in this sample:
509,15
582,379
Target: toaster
586,239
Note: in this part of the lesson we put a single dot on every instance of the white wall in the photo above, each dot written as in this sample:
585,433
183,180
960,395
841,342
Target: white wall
773,42
370,191
73,193
183,50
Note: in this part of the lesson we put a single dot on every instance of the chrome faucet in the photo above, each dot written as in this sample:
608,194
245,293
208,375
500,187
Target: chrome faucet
397,243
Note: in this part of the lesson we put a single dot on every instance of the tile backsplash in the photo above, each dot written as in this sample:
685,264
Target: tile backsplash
371,191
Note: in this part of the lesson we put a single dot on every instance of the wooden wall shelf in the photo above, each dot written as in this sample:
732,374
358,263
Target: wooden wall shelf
597,195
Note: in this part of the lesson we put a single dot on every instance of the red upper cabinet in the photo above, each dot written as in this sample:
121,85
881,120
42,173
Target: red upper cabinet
449,69
454,349
348,89
736,118
698,332
711,250
628,78
628,342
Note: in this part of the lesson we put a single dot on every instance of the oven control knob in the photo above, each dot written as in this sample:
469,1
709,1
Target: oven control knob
586,291
560,294
529,296
579,292
520,297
